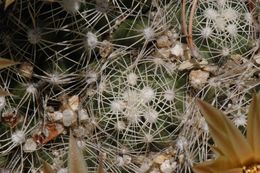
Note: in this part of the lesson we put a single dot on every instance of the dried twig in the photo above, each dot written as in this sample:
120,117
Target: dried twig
183,18
190,41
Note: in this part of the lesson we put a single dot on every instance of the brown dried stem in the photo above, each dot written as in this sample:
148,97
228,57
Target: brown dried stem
183,18
190,40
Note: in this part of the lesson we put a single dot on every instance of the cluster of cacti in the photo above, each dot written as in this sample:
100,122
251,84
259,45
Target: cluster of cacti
121,77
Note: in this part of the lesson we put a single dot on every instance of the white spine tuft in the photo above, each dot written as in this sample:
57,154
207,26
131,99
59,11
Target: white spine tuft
148,138
34,36
225,51
147,94
220,23
181,143
91,40
120,125
31,89
210,13
117,106
229,14
206,32
232,29
132,79
149,34
91,77
151,116
18,137
169,95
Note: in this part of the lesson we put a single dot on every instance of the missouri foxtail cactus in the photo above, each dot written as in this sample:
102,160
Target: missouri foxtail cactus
114,75
139,105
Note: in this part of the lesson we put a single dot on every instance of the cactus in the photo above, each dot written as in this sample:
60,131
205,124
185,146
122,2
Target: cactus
121,76
216,24
139,104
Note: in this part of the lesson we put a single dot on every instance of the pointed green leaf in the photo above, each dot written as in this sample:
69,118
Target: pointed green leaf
47,167
213,166
253,127
100,169
100,166
235,170
4,63
202,168
216,150
238,142
76,162
227,137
